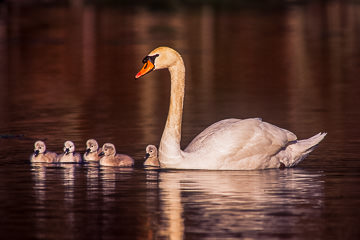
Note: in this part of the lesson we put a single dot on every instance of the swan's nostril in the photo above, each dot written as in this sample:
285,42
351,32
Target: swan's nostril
148,67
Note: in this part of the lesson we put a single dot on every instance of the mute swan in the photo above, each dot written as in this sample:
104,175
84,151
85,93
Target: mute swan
92,151
151,157
69,155
41,155
230,144
111,158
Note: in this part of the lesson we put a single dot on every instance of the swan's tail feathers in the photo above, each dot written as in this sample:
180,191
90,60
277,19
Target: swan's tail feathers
301,148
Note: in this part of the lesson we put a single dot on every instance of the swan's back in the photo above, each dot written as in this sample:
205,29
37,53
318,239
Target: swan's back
242,132
232,142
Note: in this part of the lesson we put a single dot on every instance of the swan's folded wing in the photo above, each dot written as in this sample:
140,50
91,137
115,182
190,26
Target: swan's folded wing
240,139
208,135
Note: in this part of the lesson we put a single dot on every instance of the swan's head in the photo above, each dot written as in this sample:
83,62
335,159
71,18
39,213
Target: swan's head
108,149
151,157
159,58
39,148
69,147
91,146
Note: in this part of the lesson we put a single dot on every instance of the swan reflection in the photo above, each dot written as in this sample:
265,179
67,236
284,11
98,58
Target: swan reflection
68,171
92,180
38,171
113,176
229,201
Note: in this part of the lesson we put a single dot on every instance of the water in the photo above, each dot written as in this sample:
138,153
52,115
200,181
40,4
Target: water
67,73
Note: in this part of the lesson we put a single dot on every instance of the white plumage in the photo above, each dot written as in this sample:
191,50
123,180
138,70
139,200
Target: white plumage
230,144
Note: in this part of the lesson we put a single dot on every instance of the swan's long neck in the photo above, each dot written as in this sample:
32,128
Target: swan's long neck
169,151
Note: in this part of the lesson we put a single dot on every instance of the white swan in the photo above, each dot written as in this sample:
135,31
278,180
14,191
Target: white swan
92,151
41,155
230,144
112,159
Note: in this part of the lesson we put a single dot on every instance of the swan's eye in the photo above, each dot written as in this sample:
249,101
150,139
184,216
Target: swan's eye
149,58
152,58
145,59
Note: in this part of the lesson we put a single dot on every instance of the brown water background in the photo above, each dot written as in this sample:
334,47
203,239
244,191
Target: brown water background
67,73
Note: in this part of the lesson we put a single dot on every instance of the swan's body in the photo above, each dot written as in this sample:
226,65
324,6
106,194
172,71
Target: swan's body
230,144
112,159
69,155
151,157
92,151
41,155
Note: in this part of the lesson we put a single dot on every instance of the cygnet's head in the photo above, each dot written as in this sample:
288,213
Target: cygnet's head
151,157
91,146
159,58
39,148
108,149
69,147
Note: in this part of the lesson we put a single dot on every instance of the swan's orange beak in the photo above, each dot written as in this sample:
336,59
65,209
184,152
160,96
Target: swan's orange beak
148,67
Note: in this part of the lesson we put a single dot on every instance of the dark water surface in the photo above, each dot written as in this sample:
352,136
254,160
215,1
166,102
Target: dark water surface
67,73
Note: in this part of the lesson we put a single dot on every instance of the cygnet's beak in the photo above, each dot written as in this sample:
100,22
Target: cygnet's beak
147,155
101,154
148,67
87,151
36,153
67,151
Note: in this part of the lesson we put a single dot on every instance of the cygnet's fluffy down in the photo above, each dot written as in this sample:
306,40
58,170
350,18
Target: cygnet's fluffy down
92,151
69,155
151,157
111,158
41,155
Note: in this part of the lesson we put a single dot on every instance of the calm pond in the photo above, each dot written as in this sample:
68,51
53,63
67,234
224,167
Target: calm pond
67,73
